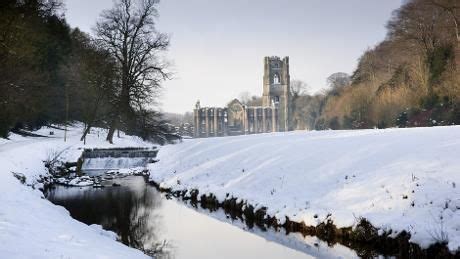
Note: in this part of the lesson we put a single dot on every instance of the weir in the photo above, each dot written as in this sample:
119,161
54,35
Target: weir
116,158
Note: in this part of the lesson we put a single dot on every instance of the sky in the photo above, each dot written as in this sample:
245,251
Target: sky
217,46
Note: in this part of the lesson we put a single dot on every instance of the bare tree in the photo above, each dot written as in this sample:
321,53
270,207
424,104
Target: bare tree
298,88
338,80
90,79
299,95
452,8
128,32
419,23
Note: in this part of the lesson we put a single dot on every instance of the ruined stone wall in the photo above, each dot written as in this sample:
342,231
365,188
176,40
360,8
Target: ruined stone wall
215,121
274,114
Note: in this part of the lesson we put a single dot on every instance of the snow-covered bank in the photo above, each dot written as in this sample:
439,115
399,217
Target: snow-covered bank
398,179
31,226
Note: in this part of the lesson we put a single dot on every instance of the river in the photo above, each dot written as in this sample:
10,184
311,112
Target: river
165,227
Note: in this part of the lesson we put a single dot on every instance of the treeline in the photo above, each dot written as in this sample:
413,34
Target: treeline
51,73
410,79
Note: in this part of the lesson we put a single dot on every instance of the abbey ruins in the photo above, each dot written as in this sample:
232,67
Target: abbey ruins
239,119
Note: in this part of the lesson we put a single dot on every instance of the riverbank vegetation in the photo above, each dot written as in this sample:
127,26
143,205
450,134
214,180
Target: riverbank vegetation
412,78
52,73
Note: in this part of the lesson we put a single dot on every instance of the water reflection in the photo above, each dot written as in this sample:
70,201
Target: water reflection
128,210
143,218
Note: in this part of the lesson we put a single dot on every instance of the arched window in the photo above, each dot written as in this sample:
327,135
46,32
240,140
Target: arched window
276,78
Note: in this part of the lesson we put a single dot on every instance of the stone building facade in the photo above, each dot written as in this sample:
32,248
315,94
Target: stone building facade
239,119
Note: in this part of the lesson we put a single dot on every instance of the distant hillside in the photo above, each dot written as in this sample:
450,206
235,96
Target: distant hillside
412,78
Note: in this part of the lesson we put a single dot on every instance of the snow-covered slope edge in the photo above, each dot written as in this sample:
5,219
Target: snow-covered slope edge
398,179
31,226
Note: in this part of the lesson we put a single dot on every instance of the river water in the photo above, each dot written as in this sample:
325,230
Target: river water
165,227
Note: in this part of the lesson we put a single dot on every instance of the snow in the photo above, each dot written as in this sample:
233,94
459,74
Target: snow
30,225
79,182
398,179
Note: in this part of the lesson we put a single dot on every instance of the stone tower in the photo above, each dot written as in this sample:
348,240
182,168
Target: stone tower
277,89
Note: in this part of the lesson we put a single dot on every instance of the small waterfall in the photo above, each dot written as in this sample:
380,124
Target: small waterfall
117,158
114,163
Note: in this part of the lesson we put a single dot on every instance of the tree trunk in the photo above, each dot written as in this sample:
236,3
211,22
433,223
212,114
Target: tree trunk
87,129
93,118
457,56
111,131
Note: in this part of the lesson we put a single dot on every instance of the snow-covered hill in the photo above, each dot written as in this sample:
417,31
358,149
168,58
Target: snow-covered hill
399,179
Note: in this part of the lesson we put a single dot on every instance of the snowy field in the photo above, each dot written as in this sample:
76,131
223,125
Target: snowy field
398,179
31,226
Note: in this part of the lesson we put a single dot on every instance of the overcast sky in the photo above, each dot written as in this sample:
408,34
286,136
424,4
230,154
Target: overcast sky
217,46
